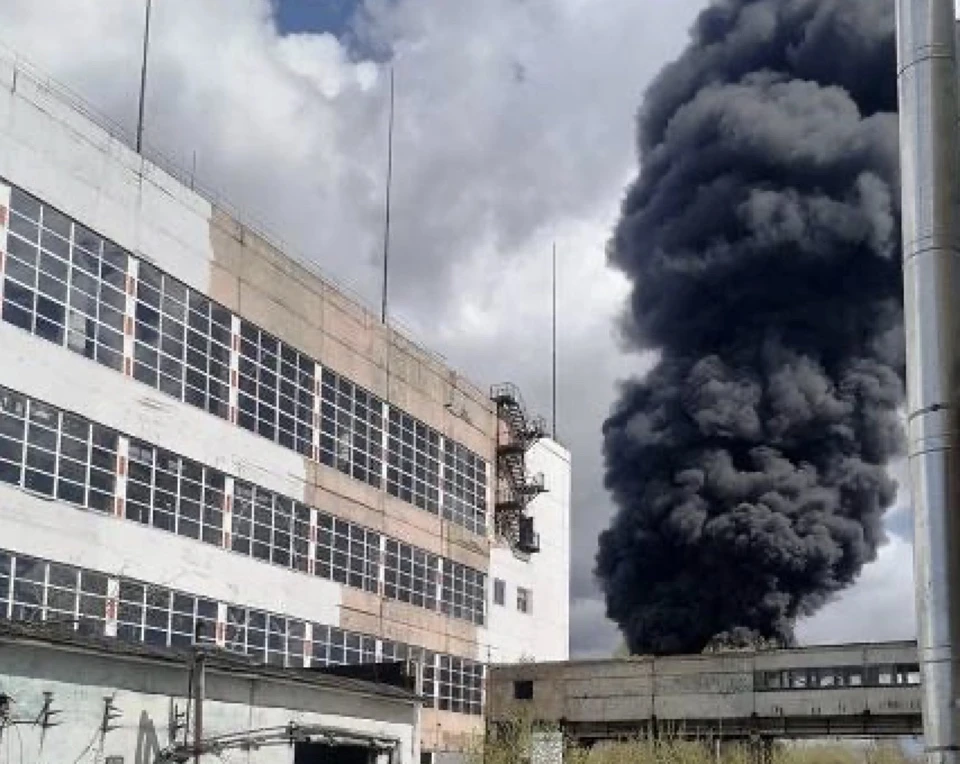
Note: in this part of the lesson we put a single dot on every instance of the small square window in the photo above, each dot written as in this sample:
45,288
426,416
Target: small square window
499,591
523,689
524,600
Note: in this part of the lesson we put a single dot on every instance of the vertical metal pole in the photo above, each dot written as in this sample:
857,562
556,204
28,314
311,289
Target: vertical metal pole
143,77
386,223
553,407
930,178
200,676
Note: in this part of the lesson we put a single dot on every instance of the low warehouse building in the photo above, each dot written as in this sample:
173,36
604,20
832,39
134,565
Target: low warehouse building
65,698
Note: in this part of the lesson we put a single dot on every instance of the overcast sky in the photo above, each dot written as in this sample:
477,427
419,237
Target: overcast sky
514,129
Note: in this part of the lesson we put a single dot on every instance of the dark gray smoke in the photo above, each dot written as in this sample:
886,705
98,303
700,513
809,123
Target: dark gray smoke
762,241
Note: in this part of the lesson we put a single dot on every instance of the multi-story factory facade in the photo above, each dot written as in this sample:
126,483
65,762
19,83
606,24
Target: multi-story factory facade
200,438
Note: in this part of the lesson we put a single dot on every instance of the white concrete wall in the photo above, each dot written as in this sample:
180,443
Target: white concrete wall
54,152
542,634
145,691
35,526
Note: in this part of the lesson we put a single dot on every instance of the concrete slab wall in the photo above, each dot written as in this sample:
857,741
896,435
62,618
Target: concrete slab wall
719,689
146,693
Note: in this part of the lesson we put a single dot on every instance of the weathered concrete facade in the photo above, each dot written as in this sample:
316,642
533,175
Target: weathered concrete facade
859,690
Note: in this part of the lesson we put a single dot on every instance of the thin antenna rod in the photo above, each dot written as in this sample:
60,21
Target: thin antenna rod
386,223
143,78
554,351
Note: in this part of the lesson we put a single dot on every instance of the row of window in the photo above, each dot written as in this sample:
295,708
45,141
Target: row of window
524,596
36,591
64,283
838,677
58,454
68,285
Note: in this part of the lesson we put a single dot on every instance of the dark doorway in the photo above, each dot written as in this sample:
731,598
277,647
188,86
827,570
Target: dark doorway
323,753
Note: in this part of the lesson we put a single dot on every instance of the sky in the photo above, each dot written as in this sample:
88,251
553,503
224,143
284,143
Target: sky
514,130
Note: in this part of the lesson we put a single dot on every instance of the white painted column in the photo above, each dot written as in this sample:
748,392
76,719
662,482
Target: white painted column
491,495
129,320
312,548
112,605
317,418
221,624
307,644
227,534
234,367
441,474
4,226
384,444
120,475
439,587
382,566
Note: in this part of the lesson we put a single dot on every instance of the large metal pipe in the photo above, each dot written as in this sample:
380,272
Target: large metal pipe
930,175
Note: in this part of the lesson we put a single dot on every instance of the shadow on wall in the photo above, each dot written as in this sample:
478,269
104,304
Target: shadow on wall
148,746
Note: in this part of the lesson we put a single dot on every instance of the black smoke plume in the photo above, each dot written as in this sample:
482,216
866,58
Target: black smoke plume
762,241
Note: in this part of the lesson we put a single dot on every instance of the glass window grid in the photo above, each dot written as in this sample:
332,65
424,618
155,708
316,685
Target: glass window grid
162,617
276,390
35,590
413,461
182,342
63,594
410,575
64,283
182,496
270,527
837,677
398,651
464,487
175,494
463,592
57,454
336,647
460,685
351,429
347,553
6,581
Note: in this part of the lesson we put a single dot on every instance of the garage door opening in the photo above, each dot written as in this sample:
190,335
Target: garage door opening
325,753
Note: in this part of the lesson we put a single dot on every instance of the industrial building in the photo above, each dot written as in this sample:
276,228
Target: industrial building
203,440
136,703
855,690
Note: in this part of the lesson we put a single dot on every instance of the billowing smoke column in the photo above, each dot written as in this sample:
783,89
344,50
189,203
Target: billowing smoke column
762,241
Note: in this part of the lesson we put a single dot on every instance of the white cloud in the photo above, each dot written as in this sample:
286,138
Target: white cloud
880,607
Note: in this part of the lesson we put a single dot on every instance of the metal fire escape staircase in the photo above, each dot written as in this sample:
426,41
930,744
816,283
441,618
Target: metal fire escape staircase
515,487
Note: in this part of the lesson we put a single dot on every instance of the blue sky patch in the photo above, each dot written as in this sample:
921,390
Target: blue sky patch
331,16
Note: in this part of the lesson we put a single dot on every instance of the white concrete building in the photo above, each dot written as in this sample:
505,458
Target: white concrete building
221,442
133,707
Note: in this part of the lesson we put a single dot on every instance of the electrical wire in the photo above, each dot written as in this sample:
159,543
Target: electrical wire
89,745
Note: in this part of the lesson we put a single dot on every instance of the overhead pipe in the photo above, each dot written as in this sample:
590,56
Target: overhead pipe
930,178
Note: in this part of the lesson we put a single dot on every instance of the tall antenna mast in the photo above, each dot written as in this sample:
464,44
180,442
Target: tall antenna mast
554,347
386,222
143,78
